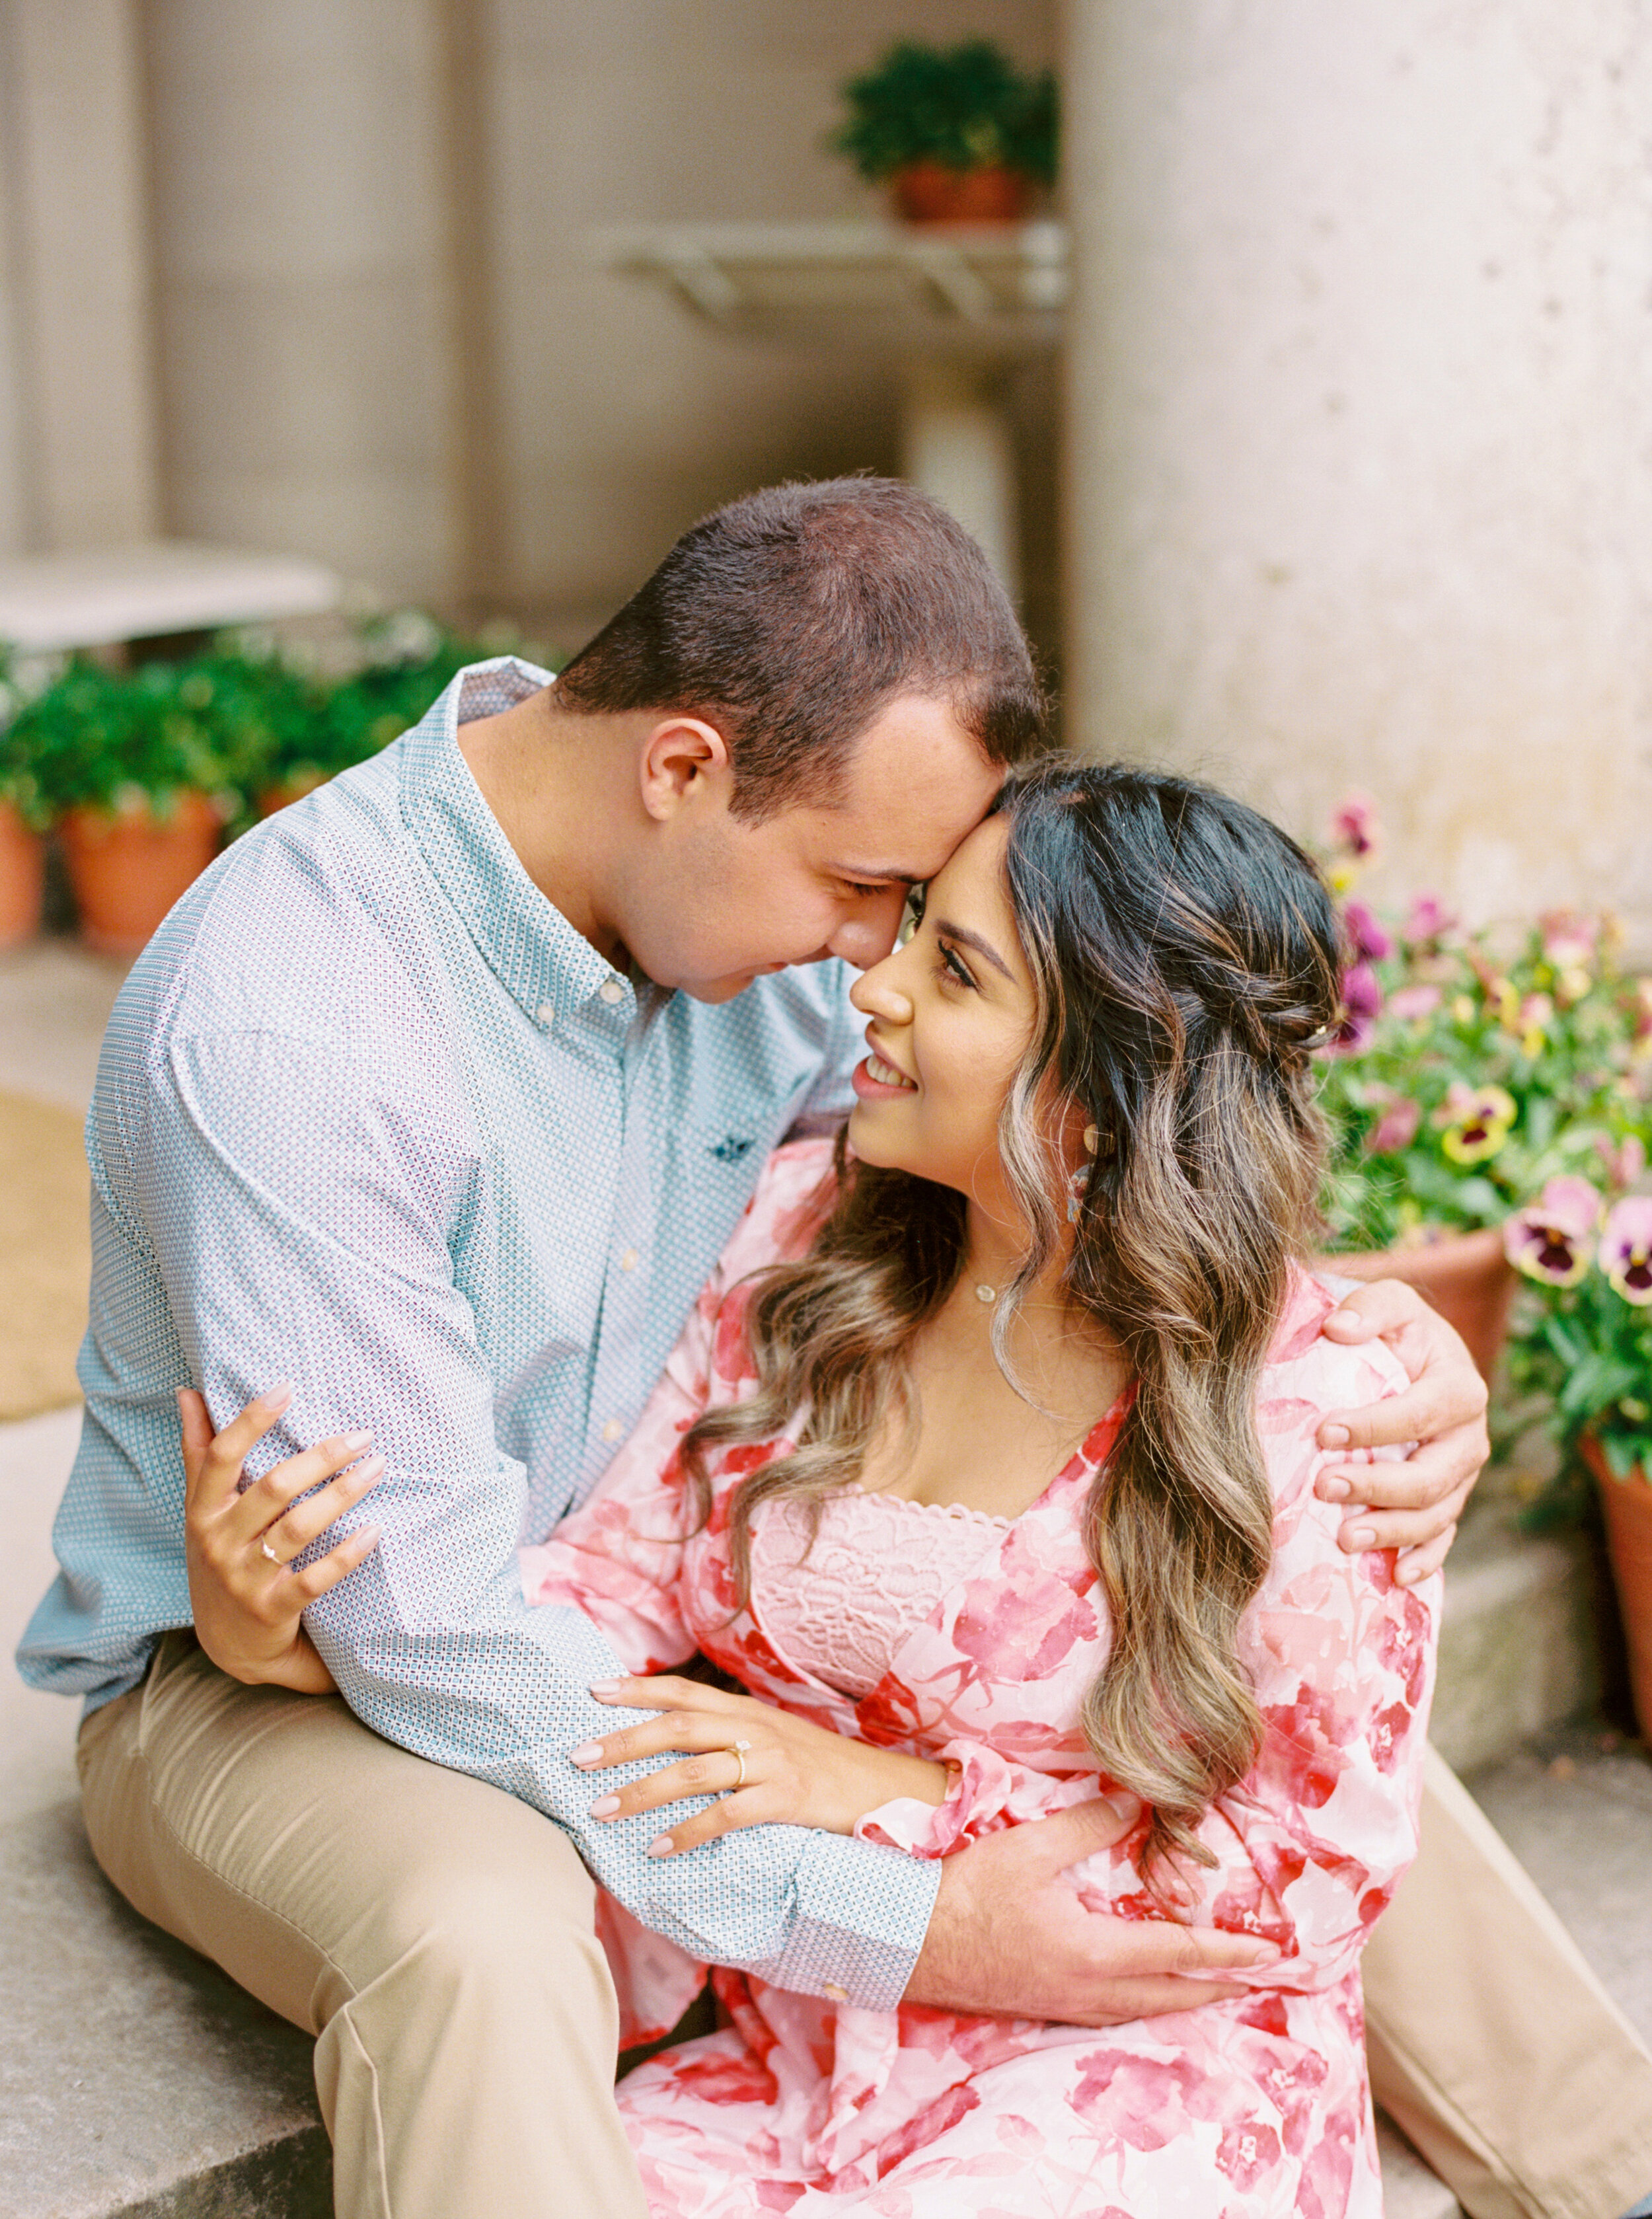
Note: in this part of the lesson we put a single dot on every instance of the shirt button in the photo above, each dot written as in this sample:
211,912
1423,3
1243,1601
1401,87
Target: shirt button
612,1430
546,1013
628,1261
835,1994
611,991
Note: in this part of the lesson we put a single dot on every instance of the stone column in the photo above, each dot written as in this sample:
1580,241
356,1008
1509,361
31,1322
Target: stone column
80,352
1361,424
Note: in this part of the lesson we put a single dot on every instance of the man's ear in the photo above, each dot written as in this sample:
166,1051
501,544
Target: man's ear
683,758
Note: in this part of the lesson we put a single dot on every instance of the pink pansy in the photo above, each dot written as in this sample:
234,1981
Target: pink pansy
1429,919
1355,827
1415,1001
1362,1004
1396,1127
1548,1239
1626,1248
1624,1164
1367,941
1568,939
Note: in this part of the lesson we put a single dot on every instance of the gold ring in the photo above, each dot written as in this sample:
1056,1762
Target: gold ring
737,1751
270,1552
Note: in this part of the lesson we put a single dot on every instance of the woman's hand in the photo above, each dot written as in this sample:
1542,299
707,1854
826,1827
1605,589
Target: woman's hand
240,1544
795,1774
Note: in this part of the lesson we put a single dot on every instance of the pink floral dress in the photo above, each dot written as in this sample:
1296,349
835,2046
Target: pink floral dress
1234,2110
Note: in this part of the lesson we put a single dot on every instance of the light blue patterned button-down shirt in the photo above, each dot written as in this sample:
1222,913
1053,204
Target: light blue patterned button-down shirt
371,1115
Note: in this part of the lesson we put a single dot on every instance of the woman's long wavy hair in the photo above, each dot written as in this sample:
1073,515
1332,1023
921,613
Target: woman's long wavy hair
1185,957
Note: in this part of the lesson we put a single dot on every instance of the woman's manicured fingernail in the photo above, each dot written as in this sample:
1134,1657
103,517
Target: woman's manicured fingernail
1334,1437
370,1469
277,1398
1125,1807
1332,1490
605,1807
600,1687
356,1441
1362,1537
660,1846
587,1753
1267,1954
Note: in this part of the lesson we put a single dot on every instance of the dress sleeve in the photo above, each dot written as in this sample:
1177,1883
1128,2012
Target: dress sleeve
1311,1844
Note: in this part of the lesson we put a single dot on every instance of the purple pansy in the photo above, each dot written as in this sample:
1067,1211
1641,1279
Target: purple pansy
1396,1125
1429,919
1367,941
1626,1248
1362,1004
1548,1239
1355,827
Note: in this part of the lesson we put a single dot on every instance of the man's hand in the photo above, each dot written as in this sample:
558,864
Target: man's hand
1010,1939
1412,1507
240,1543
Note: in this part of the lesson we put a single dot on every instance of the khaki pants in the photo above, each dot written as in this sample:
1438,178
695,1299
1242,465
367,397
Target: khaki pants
435,1936
1492,2043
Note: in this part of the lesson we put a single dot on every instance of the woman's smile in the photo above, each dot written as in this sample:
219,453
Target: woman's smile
881,1076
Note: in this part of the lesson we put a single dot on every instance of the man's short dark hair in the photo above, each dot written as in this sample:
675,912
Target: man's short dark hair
790,618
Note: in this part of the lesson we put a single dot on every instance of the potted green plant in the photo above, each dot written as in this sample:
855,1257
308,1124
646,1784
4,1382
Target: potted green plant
1584,1345
23,820
131,769
404,659
957,133
1469,1071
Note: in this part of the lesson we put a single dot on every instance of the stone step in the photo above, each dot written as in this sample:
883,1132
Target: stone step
135,2080
1410,2191
1521,1639
137,2083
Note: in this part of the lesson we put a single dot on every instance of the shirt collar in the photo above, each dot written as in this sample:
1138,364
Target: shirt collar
536,955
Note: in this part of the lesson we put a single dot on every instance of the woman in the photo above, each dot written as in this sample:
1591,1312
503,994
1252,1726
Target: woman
985,1467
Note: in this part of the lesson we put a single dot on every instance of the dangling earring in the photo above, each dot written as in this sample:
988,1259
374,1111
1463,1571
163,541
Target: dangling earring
1079,1181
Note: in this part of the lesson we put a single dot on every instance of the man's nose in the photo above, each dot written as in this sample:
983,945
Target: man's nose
867,936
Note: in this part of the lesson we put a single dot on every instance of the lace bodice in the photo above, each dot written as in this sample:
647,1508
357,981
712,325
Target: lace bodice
878,1569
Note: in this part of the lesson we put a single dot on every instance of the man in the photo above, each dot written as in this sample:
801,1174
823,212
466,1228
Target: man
445,1089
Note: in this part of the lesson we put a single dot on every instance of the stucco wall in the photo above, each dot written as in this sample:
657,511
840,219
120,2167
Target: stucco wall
1361,424
368,225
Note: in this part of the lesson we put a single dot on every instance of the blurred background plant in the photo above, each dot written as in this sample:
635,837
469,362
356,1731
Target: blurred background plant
964,109
137,773
1501,1081
252,722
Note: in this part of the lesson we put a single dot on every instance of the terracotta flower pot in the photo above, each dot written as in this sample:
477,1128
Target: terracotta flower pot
1627,1505
928,192
127,869
276,797
23,878
1465,1276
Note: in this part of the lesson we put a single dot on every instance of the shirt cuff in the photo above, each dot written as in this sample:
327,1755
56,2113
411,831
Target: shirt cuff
888,1896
